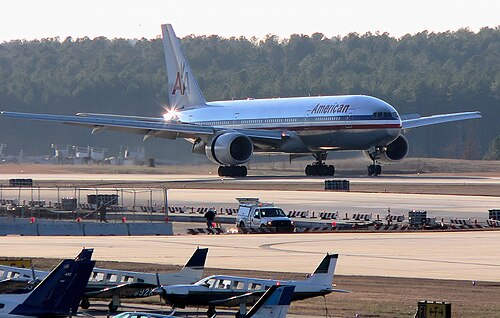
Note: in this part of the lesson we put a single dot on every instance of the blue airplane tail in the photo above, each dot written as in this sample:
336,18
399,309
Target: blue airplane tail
197,261
273,304
60,292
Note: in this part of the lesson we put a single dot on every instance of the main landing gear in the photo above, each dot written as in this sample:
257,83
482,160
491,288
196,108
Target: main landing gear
232,171
319,168
374,169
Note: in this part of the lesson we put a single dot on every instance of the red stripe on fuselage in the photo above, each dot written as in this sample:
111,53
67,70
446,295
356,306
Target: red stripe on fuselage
336,127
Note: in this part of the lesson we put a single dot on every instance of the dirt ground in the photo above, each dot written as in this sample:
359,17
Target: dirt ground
369,297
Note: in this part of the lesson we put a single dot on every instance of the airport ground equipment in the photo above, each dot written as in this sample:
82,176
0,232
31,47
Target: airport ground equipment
117,284
337,185
57,295
255,214
21,182
494,214
417,218
432,309
234,291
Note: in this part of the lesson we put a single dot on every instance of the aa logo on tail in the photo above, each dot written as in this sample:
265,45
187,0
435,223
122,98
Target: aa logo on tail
181,81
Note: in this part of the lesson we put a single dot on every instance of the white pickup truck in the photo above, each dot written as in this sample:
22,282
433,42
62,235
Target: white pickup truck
252,213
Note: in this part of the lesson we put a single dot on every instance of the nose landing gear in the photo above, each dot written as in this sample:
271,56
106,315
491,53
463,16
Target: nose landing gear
374,169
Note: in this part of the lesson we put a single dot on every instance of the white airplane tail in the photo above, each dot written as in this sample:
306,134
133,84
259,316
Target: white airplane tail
323,275
183,90
273,304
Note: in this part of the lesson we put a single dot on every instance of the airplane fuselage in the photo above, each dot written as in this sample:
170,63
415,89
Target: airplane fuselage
218,288
348,122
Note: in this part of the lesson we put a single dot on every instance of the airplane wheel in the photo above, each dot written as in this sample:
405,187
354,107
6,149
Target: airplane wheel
378,170
221,171
331,170
112,308
241,171
211,312
232,171
85,303
371,170
309,170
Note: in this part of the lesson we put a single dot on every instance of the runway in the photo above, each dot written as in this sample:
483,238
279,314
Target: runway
460,255
108,177
440,206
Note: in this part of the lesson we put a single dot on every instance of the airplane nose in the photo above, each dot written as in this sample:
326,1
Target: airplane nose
158,291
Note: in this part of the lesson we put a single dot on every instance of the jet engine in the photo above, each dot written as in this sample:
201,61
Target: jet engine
230,149
395,151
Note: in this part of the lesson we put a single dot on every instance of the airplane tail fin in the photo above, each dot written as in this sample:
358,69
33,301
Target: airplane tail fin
197,260
60,292
273,304
183,90
323,275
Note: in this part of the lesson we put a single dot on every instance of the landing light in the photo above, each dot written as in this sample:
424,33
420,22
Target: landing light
170,115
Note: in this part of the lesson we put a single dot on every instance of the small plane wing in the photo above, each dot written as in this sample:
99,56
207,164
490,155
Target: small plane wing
273,304
15,285
414,121
127,290
249,298
147,126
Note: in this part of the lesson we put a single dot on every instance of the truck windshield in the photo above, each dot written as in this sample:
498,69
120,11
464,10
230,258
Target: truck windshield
272,212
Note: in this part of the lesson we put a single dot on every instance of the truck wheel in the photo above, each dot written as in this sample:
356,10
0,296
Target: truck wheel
242,224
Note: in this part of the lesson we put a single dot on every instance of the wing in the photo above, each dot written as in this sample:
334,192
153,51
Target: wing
14,285
437,119
248,298
127,290
148,126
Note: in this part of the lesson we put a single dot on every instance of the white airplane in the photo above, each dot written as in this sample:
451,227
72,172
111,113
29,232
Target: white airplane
230,132
114,284
58,295
222,290
273,304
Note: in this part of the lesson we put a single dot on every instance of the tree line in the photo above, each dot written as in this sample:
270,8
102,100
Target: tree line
425,73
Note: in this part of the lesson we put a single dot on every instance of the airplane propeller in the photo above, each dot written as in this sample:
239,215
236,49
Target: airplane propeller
159,290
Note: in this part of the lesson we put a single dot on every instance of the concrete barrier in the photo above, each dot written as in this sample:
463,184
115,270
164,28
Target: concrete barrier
16,228
60,229
150,229
13,226
97,229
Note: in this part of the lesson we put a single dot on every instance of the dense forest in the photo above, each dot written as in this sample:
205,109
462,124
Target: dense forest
425,73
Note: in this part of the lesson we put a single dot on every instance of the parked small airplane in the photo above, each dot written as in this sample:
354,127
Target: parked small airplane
221,290
273,304
11,280
230,132
115,284
57,295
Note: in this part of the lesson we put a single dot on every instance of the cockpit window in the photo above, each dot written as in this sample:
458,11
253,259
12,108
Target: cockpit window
385,115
